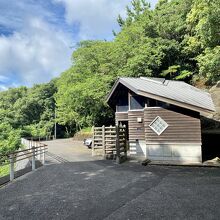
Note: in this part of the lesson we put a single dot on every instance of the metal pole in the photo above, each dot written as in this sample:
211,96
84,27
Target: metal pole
93,140
12,173
55,125
39,153
33,158
37,150
43,160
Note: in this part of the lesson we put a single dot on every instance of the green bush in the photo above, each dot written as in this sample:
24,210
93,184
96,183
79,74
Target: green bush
4,170
83,133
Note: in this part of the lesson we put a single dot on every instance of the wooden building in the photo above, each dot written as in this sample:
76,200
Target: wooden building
162,117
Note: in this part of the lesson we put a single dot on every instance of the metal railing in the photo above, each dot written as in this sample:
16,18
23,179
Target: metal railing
35,152
40,138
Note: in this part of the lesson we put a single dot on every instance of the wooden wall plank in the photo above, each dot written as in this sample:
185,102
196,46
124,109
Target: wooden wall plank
121,116
136,129
182,128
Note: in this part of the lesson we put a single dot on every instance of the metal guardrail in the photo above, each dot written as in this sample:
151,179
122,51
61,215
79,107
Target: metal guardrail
41,138
36,152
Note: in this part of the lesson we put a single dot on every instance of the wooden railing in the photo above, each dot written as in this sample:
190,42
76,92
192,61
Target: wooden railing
36,151
110,142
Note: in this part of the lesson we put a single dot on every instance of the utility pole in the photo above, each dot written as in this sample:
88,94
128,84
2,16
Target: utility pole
55,125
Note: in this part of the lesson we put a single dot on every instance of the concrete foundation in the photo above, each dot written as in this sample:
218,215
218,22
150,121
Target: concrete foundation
175,152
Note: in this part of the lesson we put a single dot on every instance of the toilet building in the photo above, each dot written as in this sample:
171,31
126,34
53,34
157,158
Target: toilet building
162,117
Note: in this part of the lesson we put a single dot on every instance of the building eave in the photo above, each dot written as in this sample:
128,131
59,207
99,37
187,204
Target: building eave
204,111
118,81
177,103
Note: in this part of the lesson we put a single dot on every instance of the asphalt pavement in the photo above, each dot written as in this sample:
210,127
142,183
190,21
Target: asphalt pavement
74,185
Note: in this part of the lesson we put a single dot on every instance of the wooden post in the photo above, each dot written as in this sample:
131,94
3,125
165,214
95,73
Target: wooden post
126,143
103,140
93,138
117,145
33,158
12,173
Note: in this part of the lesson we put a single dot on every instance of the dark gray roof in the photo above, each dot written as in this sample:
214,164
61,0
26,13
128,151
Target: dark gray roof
173,90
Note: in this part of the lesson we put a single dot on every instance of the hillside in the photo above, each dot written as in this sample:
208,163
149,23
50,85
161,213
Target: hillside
176,40
214,122
215,93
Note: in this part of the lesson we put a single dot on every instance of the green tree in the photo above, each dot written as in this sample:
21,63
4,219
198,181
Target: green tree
209,64
138,7
81,89
26,112
178,40
9,138
203,23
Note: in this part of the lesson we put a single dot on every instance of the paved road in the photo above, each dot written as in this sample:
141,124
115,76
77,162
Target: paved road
67,150
96,189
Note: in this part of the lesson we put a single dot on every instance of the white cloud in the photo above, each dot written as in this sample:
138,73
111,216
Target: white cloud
97,18
3,88
34,54
3,79
36,37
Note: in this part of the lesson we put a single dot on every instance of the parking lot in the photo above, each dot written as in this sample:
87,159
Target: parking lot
73,185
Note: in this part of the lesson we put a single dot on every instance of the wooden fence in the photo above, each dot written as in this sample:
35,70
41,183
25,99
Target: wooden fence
110,142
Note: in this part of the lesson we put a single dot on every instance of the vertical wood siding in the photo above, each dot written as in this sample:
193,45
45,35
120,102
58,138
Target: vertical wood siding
182,128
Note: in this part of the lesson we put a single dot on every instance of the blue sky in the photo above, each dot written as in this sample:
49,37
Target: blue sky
37,37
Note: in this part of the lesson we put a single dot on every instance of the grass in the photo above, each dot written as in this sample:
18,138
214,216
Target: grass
4,170
86,130
83,133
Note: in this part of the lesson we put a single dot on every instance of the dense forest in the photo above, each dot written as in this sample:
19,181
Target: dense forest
178,39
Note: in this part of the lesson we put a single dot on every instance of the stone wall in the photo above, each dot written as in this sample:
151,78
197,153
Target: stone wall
212,121
215,93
